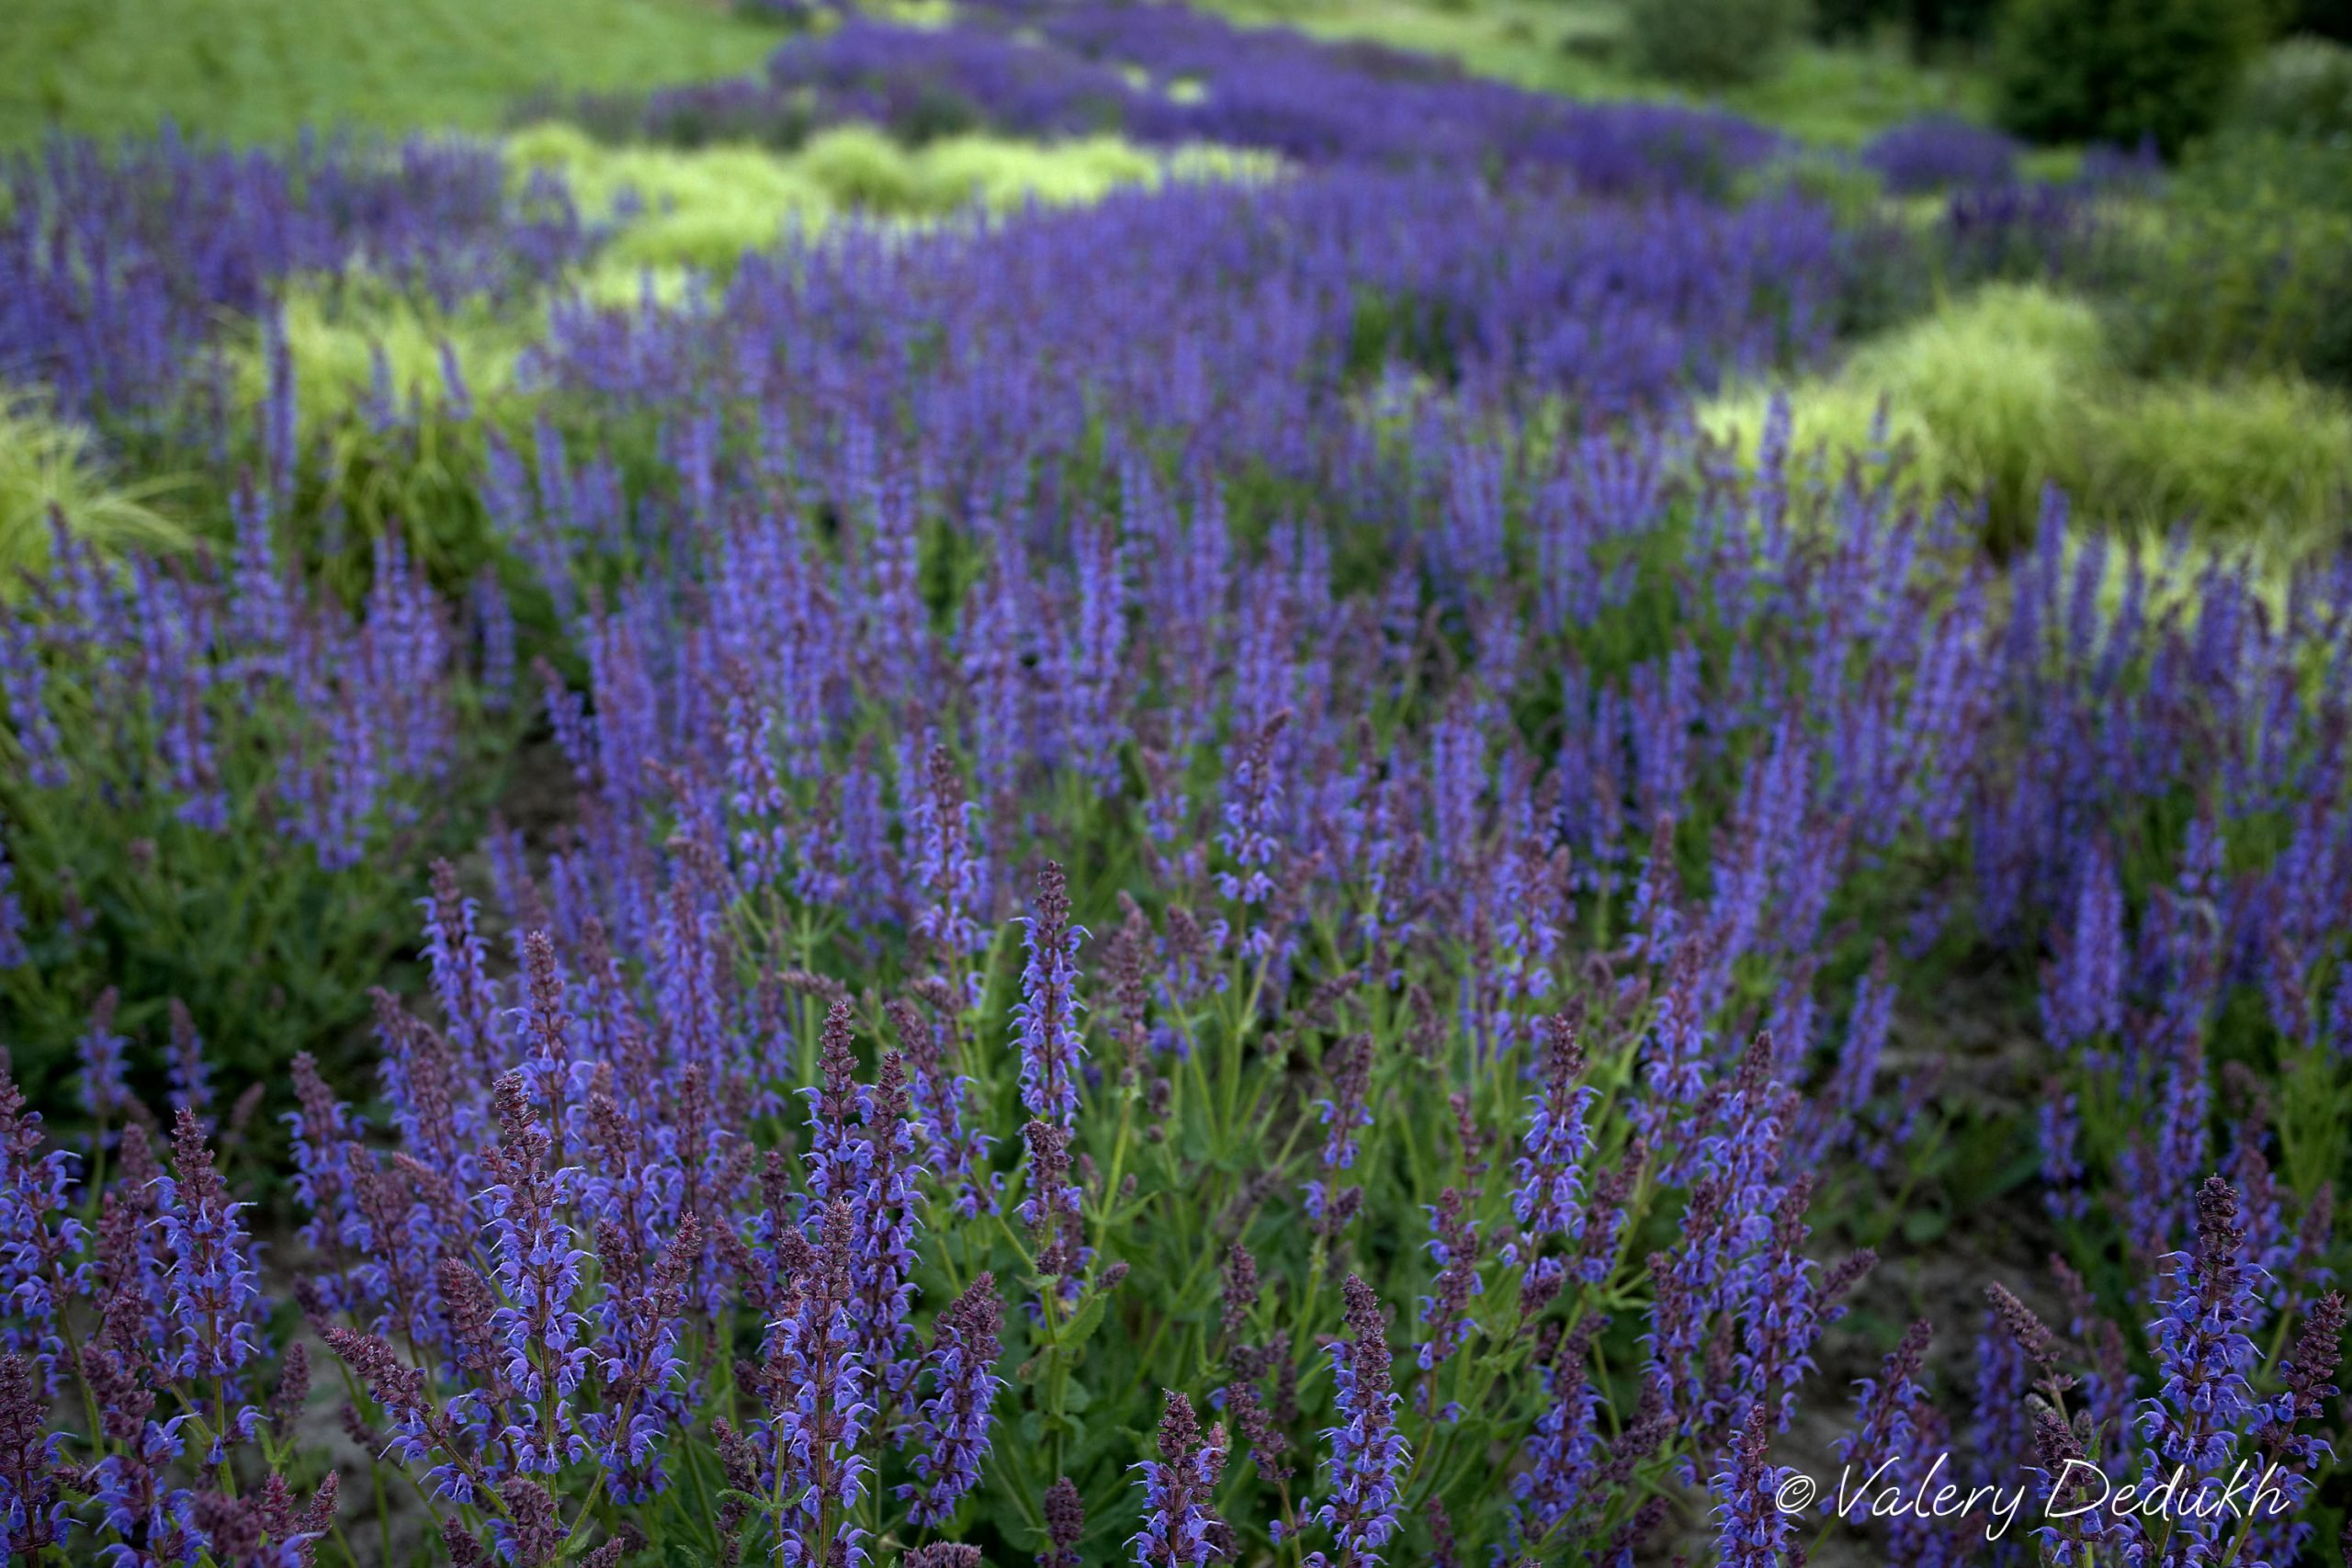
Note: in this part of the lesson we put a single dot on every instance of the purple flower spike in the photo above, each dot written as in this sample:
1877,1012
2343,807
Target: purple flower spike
106,1091
952,1426
1366,1468
1046,1015
1750,1529
1179,1487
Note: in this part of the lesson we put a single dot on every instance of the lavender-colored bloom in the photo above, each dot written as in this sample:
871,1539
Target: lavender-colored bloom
1065,1513
2003,1425
1455,1250
815,1389
41,1244
1364,1474
191,1081
1094,729
1052,1208
2203,1345
2083,994
1346,1114
945,1554
945,869
955,1152
215,1293
951,1427
1178,1490
1940,152
1046,1015
494,630
1252,815
1565,1446
2061,1169
32,1517
1866,1030
638,1351
456,956
1548,1199
883,1206
105,1093
1750,1529
993,634
1883,1423
1782,1313
2299,1456
24,682
13,925
841,1161
539,1334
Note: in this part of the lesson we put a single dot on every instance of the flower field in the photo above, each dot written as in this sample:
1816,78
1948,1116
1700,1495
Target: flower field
1155,862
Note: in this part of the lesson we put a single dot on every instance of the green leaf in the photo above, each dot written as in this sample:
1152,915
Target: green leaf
1080,1329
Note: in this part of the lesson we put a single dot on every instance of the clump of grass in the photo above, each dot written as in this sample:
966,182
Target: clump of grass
2013,388
675,208
1982,393
704,207
336,337
859,166
48,464
2269,456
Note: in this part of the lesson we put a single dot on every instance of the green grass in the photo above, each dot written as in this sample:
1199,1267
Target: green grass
2014,388
260,69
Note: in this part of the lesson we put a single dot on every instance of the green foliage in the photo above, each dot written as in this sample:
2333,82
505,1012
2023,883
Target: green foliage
1711,43
49,466
2246,266
2119,70
258,70
2301,88
272,953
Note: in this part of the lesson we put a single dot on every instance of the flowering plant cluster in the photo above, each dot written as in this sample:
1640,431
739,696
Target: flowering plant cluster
1187,886
821,1173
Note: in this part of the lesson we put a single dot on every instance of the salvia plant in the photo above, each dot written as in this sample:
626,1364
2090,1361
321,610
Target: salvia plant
1177,882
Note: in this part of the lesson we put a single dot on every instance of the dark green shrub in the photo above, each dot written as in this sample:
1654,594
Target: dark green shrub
1711,43
2327,19
2250,268
1951,21
2118,71
1839,19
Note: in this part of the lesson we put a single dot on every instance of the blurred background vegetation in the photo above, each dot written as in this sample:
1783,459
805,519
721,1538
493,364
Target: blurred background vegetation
2190,161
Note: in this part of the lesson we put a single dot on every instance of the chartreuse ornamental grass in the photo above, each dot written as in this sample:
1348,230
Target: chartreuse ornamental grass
706,206
2011,390
52,471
